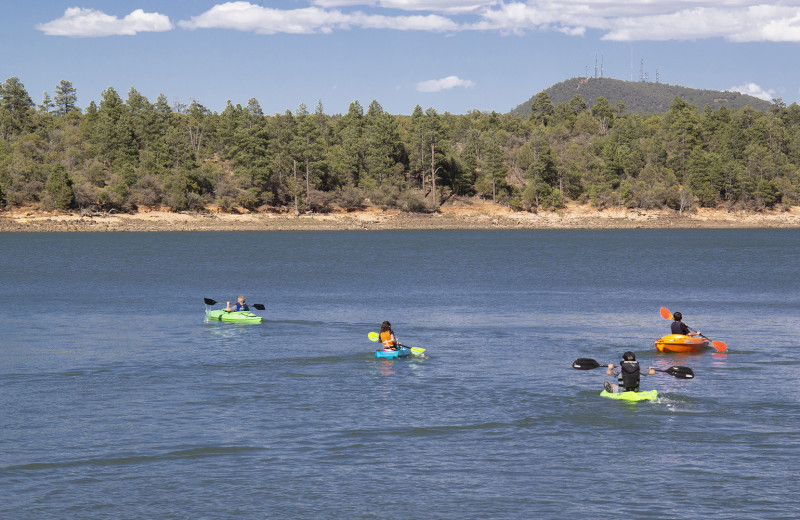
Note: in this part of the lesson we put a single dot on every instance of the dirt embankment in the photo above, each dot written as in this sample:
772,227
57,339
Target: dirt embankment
465,214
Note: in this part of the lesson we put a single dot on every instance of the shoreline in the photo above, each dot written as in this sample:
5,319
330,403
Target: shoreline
469,215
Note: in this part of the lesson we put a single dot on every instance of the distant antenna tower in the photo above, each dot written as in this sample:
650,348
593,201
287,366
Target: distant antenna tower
601,66
595,65
658,76
641,70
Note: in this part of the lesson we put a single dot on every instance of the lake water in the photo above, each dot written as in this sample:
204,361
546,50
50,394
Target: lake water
117,399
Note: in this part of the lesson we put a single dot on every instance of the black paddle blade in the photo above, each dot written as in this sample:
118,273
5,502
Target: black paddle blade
680,372
259,307
209,301
585,364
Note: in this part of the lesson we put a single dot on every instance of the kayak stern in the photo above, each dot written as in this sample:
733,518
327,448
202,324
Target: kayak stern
233,316
649,395
393,354
680,343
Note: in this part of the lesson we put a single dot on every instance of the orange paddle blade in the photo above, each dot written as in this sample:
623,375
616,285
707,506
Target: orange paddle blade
665,313
720,346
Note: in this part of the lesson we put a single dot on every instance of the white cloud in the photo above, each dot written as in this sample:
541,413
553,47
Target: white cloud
748,24
653,20
78,22
437,85
438,6
244,16
752,89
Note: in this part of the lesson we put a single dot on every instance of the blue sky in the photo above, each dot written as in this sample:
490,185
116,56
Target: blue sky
451,55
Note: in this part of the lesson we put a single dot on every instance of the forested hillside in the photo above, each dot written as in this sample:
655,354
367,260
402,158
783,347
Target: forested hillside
120,154
642,97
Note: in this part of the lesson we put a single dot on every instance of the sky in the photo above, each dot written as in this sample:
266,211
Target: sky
451,55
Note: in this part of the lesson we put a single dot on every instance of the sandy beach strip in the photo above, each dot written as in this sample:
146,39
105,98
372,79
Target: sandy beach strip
478,215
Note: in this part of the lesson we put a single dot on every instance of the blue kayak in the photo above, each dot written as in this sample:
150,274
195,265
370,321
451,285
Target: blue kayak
393,354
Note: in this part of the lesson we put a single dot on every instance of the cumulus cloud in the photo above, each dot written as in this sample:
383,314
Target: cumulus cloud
439,6
752,89
437,85
653,20
747,24
244,16
78,22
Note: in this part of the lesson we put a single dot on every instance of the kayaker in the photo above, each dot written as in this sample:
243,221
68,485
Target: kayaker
387,337
678,327
627,374
240,306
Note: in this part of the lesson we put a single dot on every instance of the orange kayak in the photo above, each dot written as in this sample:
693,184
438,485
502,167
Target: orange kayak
681,343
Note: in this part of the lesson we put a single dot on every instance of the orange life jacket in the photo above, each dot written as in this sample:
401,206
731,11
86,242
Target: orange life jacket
387,338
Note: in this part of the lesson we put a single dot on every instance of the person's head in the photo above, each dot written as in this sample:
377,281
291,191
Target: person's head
629,356
677,316
386,326
241,299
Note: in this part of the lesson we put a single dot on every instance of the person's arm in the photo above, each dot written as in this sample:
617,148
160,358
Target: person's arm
650,372
228,308
687,331
608,370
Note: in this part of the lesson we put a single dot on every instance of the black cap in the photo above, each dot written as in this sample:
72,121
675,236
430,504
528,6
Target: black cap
630,355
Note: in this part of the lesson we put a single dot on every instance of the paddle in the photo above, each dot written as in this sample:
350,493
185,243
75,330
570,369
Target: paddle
719,345
257,306
680,372
373,336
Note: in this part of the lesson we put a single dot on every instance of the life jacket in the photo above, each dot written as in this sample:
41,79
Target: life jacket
629,375
388,341
678,327
242,307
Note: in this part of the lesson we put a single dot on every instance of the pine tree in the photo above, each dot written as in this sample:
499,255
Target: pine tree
47,104
59,186
65,97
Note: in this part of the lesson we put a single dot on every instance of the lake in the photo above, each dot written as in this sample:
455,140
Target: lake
118,400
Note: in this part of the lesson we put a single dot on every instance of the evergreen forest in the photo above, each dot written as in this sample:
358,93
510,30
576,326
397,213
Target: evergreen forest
123,154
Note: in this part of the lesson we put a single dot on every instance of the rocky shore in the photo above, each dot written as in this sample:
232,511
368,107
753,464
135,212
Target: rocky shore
472,214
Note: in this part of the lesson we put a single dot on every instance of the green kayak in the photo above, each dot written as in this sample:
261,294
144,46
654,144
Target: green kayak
233,316
650,395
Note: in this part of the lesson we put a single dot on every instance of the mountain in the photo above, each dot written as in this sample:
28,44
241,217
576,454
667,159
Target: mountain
641,97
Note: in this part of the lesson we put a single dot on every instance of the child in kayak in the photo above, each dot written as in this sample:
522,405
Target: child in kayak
240,306
627,374
678,327
387,338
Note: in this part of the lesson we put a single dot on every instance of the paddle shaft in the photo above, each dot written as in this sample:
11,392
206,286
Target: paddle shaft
373,336
680,372
719,345
257,306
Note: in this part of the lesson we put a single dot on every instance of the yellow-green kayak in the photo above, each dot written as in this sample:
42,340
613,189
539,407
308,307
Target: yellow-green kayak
233,316
649,395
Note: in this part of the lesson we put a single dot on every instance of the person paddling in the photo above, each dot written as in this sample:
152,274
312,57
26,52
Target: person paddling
678,327
627,374
387,337
240,306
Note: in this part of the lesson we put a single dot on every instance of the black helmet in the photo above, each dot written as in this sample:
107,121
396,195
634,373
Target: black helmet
630,355
677,316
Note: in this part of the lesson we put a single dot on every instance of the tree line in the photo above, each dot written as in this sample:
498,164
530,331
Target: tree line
118,155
